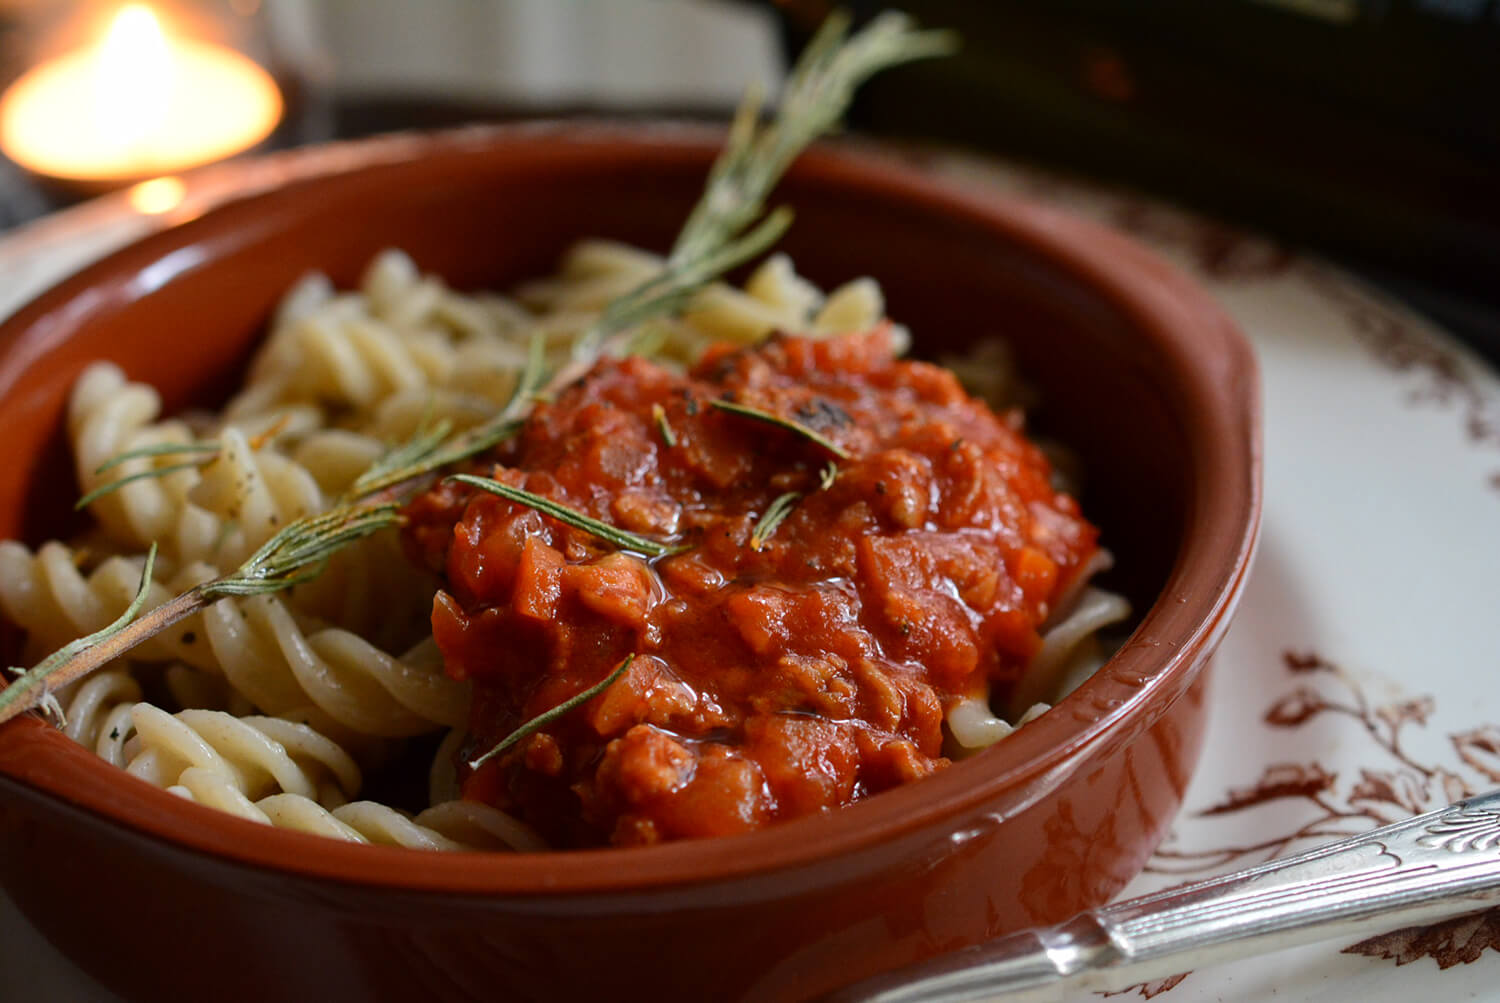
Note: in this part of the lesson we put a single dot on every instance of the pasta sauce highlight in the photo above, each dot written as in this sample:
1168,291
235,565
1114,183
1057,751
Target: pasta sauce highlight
779,669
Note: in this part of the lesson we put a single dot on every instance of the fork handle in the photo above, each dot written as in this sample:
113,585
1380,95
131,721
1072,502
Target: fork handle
1430,867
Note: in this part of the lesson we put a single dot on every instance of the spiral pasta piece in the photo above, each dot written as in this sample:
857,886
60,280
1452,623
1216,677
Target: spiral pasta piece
358,592
109,415
96,712
48,595
404,332
255,756
454,825
258,755
265,653
219,507
268,770
251,494
774,298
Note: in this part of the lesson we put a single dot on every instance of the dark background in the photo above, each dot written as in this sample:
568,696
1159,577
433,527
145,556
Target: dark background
1365,130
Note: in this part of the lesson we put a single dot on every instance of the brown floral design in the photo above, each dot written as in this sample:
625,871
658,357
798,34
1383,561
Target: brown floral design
1149,989
1219,251
1455,942
1401,345
1393,787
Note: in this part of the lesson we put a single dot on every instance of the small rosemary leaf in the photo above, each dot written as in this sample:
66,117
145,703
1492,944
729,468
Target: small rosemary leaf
52,711
481,438
776,514
745,411
820,88
547,717
486,437
419,447
300,551
37,675
534,374
828,475
667,435
115,485
157,449
305,550
603,530
265,438
648,340
670,290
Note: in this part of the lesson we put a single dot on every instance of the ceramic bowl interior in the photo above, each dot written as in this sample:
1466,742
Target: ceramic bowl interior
1136,370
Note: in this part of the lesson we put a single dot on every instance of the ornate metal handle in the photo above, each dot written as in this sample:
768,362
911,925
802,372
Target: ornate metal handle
1427,868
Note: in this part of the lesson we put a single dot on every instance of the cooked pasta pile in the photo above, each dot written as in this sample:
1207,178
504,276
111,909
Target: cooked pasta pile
276,708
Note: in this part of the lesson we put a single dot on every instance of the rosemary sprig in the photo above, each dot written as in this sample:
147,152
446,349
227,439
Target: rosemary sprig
815,97
400,458
488,435
774,516
728,226
291,557
721,231
782,506
648,340
299,552
572,517
547,717
37,676
812,435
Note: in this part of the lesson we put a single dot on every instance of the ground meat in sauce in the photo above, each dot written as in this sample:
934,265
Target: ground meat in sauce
766,684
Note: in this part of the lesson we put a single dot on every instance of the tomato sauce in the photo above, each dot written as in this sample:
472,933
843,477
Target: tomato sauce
775,674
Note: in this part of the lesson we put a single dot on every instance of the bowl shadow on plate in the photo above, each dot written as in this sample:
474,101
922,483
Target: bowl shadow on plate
1276,619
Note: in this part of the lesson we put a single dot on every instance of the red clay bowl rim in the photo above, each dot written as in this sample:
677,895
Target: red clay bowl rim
1108,712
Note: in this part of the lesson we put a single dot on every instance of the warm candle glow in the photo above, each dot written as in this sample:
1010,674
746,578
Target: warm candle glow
132,79
136,104
157,196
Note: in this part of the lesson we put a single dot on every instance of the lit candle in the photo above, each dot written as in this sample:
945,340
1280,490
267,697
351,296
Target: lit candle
137,104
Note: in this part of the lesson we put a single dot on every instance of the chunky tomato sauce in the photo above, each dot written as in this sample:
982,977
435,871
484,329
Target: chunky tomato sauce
768,681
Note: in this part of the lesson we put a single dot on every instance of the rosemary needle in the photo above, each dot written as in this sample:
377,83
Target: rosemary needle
745,411
775,515
612,534
157,449
120,482
547,717
668,437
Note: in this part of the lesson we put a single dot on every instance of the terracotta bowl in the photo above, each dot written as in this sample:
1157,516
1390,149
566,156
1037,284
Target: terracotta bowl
1140,373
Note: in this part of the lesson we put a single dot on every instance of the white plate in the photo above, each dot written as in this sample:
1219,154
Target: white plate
1353,688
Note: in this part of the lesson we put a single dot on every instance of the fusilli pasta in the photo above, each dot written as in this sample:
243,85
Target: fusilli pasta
280,703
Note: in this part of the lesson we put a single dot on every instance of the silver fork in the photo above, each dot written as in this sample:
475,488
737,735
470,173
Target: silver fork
1427,868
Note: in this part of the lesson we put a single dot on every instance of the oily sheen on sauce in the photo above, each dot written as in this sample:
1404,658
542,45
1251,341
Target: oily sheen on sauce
775,674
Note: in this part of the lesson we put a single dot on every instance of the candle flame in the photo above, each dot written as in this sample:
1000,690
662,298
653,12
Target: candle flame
132,78
140,102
